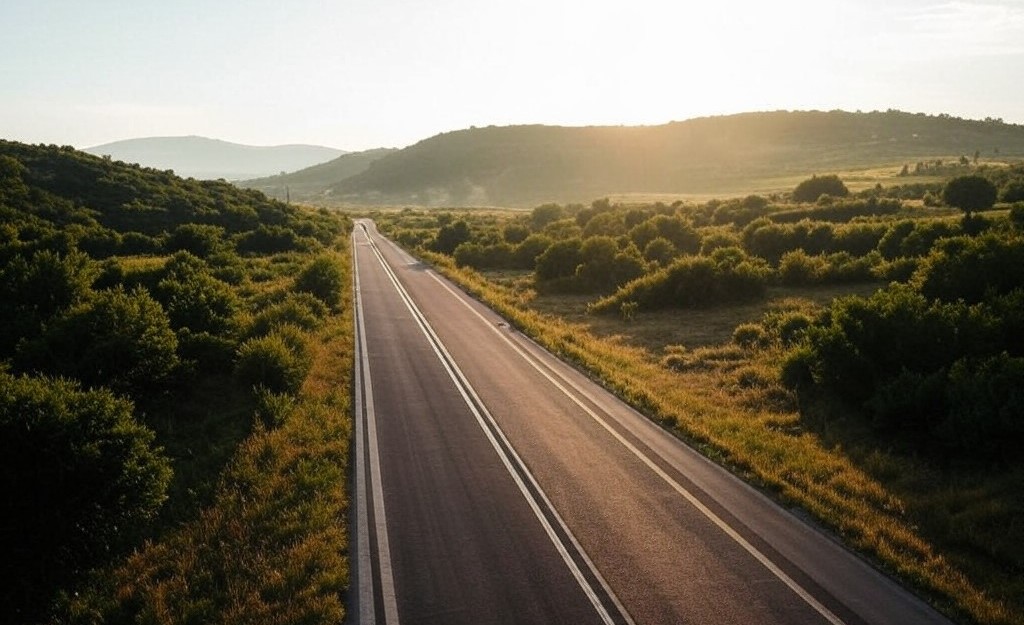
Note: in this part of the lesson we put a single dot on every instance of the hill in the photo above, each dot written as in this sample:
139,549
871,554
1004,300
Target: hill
312,182
210,159
527,165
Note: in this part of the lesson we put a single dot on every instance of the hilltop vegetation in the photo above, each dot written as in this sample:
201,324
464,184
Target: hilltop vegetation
312,183
173,387
860,356
529,165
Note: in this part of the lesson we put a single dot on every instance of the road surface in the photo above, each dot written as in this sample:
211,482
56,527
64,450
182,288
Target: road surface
495,484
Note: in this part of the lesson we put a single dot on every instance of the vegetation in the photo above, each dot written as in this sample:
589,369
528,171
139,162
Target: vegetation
814,187
856,357
970,193
528,165
174,365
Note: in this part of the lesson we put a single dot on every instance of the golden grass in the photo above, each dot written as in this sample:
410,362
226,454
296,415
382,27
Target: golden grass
737,414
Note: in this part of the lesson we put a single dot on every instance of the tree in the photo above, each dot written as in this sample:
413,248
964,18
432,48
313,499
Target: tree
34,290
80,476
969,193
450,236
323,278
121,340
814,187
544,215
559,260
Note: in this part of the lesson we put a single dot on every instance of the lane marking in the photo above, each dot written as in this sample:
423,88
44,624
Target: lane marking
510,459
365,392
533,361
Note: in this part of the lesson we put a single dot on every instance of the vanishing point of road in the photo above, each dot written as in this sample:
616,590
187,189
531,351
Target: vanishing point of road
496,484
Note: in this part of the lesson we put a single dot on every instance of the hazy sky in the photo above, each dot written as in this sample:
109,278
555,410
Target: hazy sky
356,74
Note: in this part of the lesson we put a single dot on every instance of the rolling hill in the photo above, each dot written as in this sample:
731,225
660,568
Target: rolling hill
210,159
527,165
311,182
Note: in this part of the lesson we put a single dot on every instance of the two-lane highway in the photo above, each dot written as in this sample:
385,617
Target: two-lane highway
495,484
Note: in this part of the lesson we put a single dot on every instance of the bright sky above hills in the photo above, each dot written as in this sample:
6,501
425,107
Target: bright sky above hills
357,74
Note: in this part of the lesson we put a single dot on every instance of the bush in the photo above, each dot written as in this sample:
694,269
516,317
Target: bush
80,477
750,335
973,268
121,340
559,260
986,404
814,187
660,251
525,254
269,362
273,240
33,290
496,256
970,193
1012,191
693,281
323,278
302,310
1017,215
797,268
199,302
201,240
450,236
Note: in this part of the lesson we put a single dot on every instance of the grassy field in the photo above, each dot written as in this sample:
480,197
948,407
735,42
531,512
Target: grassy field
954,535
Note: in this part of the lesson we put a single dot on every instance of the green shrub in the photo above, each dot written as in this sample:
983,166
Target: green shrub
973,268
525,254
986,408
270,362
302,310
199,302
202,240
1017,215
324,278
35,289
559,260
750,335
814,187
121,340
797,268
80,477
693,281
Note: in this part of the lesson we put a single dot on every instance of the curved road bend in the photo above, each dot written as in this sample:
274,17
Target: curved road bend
495,484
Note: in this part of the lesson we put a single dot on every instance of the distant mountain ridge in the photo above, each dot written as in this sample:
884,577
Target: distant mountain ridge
210,159
526,165
312,182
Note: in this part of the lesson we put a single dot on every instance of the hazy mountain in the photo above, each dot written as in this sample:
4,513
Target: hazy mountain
312,182
526,165
202,158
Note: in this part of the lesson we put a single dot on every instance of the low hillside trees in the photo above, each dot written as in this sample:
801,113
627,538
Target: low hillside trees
814,187
118,339
969,194
80,476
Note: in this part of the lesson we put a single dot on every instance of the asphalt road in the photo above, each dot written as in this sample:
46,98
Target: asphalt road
495,484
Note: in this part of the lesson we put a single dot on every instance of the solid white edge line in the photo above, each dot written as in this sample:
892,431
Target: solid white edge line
696,503
439,350
364,569
380,522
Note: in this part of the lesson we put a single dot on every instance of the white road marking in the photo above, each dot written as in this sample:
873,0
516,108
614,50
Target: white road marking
484,417
364,392
820,608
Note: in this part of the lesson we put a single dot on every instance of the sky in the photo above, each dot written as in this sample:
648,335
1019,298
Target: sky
361,74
